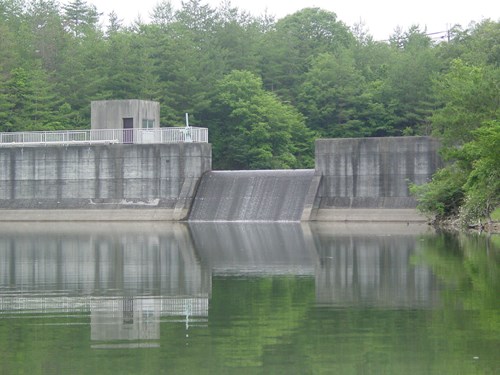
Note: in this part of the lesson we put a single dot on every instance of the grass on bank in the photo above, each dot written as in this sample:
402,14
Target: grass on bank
495,215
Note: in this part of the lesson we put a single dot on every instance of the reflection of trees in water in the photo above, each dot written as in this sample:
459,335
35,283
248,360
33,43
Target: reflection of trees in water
257,313
468,266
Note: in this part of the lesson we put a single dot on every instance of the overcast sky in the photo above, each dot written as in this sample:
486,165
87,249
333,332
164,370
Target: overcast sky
381,17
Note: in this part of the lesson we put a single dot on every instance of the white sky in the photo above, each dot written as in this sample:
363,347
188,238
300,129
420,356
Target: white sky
380,17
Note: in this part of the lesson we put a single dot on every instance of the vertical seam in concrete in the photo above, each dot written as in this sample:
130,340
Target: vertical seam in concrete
158,169
182,167
59,166
12,174
97,171
355,167
383,174
33,174
410,168
118,172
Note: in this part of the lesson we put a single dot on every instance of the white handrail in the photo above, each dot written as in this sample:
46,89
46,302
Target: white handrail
99,136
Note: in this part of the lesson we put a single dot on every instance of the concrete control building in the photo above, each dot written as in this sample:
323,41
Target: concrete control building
126,114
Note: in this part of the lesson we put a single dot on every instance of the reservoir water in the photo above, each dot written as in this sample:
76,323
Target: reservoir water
254,298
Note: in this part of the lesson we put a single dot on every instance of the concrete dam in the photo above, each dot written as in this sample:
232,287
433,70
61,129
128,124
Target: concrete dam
353,180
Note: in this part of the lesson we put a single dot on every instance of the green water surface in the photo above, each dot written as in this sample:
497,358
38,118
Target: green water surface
416,303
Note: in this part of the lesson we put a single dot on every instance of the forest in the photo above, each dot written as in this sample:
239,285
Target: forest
265,88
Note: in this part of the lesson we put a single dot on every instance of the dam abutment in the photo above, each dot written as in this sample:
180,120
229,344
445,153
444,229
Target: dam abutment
367,179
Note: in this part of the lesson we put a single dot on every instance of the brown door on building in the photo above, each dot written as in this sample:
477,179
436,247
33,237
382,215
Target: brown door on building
128,130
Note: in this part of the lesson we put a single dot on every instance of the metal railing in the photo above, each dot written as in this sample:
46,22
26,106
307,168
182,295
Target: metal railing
105,136
166,305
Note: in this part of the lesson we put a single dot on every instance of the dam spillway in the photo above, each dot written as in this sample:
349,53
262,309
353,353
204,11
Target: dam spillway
271,195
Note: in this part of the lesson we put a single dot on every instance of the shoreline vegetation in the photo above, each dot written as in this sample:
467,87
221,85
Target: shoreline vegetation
453,224
488,225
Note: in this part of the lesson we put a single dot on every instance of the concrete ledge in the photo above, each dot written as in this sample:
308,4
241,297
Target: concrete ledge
368,229
89,215
369,215
166,214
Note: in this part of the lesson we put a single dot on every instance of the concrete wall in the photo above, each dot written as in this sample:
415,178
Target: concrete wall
367,178
363,179
122,182
109,114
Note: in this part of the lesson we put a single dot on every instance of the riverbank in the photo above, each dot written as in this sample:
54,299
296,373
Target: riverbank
493,227
455,224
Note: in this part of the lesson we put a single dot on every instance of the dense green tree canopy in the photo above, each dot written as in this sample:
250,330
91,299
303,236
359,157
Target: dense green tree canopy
256,129
467,122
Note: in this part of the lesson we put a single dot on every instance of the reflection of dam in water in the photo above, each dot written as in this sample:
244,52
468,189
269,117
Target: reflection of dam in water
167,270
371,268
133,261
116,318
128,280
254,248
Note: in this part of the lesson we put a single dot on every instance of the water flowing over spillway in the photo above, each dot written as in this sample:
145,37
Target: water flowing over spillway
275,195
